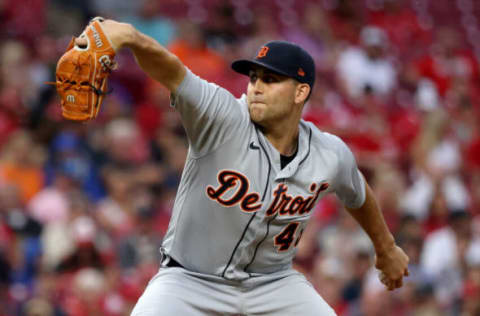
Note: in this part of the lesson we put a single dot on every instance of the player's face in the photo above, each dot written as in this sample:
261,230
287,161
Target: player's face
270,97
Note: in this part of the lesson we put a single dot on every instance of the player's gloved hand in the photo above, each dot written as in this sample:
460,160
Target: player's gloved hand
393,266
82,73
118,33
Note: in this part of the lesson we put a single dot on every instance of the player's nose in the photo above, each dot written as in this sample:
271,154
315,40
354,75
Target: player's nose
258,86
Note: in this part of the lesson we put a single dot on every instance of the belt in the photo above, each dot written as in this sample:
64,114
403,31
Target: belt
172,263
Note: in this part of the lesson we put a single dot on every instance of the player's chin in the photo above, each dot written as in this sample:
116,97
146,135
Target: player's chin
256,114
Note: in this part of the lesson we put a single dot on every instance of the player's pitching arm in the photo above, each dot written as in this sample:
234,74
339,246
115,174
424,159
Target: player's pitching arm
390,259
153,58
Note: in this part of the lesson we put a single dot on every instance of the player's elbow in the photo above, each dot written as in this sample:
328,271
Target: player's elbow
173,77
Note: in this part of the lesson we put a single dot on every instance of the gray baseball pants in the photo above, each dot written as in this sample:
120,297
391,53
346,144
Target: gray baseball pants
179,292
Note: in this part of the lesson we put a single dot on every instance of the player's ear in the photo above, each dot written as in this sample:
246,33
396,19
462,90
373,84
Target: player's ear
301,93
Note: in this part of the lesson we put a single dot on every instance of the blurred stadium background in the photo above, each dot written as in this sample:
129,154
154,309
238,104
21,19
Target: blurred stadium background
84,207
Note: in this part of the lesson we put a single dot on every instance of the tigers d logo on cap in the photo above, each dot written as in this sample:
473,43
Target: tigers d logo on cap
300,72
263,52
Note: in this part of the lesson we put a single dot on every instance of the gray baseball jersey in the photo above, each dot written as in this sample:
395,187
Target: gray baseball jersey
237,213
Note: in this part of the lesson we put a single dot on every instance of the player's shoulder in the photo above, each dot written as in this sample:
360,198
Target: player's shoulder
242,100
324,139
198,89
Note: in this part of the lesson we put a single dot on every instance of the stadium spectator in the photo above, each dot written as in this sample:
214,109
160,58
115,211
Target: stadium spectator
367,67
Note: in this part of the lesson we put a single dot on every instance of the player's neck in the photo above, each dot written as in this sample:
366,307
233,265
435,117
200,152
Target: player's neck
284,139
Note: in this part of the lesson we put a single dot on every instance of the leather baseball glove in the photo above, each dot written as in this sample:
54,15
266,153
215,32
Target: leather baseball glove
82,73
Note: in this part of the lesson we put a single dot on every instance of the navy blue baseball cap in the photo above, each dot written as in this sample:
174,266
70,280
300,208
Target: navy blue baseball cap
281,57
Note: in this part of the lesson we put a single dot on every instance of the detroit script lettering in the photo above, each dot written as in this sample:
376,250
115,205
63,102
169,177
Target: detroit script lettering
237,185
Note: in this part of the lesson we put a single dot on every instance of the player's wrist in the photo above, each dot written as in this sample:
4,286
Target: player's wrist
384,245
131,38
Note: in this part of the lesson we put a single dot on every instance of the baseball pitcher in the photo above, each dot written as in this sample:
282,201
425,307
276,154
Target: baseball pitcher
252,177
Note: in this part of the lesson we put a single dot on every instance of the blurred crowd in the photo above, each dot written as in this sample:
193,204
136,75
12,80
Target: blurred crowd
84,207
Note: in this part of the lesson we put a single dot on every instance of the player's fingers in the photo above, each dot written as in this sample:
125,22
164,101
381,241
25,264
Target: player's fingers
390,285
81,41
97,18
383,278
399,283
385,282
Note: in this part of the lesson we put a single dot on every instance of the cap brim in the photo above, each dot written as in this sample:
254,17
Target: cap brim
243,66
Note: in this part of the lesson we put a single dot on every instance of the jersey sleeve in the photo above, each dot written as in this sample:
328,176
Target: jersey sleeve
210,114
350,184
